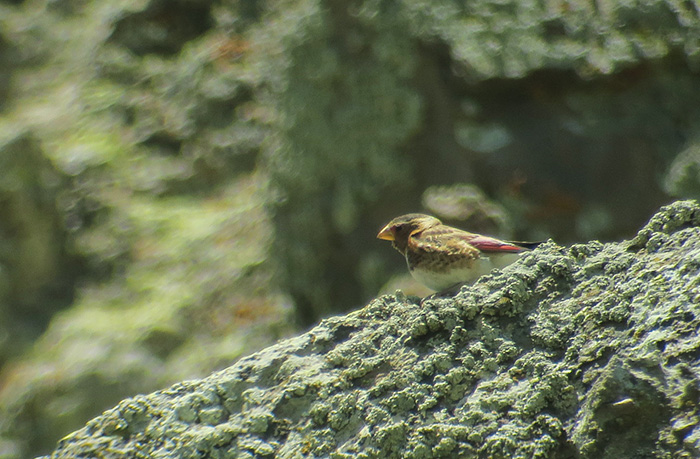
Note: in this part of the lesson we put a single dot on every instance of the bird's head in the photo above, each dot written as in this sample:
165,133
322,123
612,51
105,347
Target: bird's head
399,229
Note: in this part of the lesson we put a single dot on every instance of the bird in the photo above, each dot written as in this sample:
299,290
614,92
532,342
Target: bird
442,257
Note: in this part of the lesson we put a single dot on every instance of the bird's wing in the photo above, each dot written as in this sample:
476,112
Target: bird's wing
445,240
492,245
455,240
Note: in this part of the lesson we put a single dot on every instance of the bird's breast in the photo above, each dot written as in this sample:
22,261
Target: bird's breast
443,275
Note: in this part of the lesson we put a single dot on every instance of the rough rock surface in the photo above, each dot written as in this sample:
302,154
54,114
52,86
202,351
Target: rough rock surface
585,351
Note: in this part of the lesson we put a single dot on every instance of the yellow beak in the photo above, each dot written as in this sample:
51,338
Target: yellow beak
386,234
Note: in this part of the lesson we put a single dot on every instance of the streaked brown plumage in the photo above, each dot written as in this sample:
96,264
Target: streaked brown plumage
441,257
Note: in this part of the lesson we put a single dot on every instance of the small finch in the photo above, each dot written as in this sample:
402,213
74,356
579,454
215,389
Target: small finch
441,257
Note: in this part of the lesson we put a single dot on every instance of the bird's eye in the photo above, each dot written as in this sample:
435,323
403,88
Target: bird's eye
398,228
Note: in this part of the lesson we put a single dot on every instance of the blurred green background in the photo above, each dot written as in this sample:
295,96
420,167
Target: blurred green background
184,182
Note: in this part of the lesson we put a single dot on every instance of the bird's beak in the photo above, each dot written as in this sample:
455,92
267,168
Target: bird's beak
386,234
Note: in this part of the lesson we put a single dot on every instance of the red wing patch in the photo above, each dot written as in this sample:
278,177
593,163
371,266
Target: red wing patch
489,244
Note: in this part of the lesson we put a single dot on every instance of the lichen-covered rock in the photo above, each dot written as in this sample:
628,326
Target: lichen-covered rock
590,351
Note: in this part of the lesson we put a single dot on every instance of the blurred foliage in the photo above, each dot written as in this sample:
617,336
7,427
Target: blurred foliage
156,210
37,269
344,111
683,178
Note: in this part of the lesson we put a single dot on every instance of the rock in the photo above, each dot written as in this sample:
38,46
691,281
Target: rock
582,351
